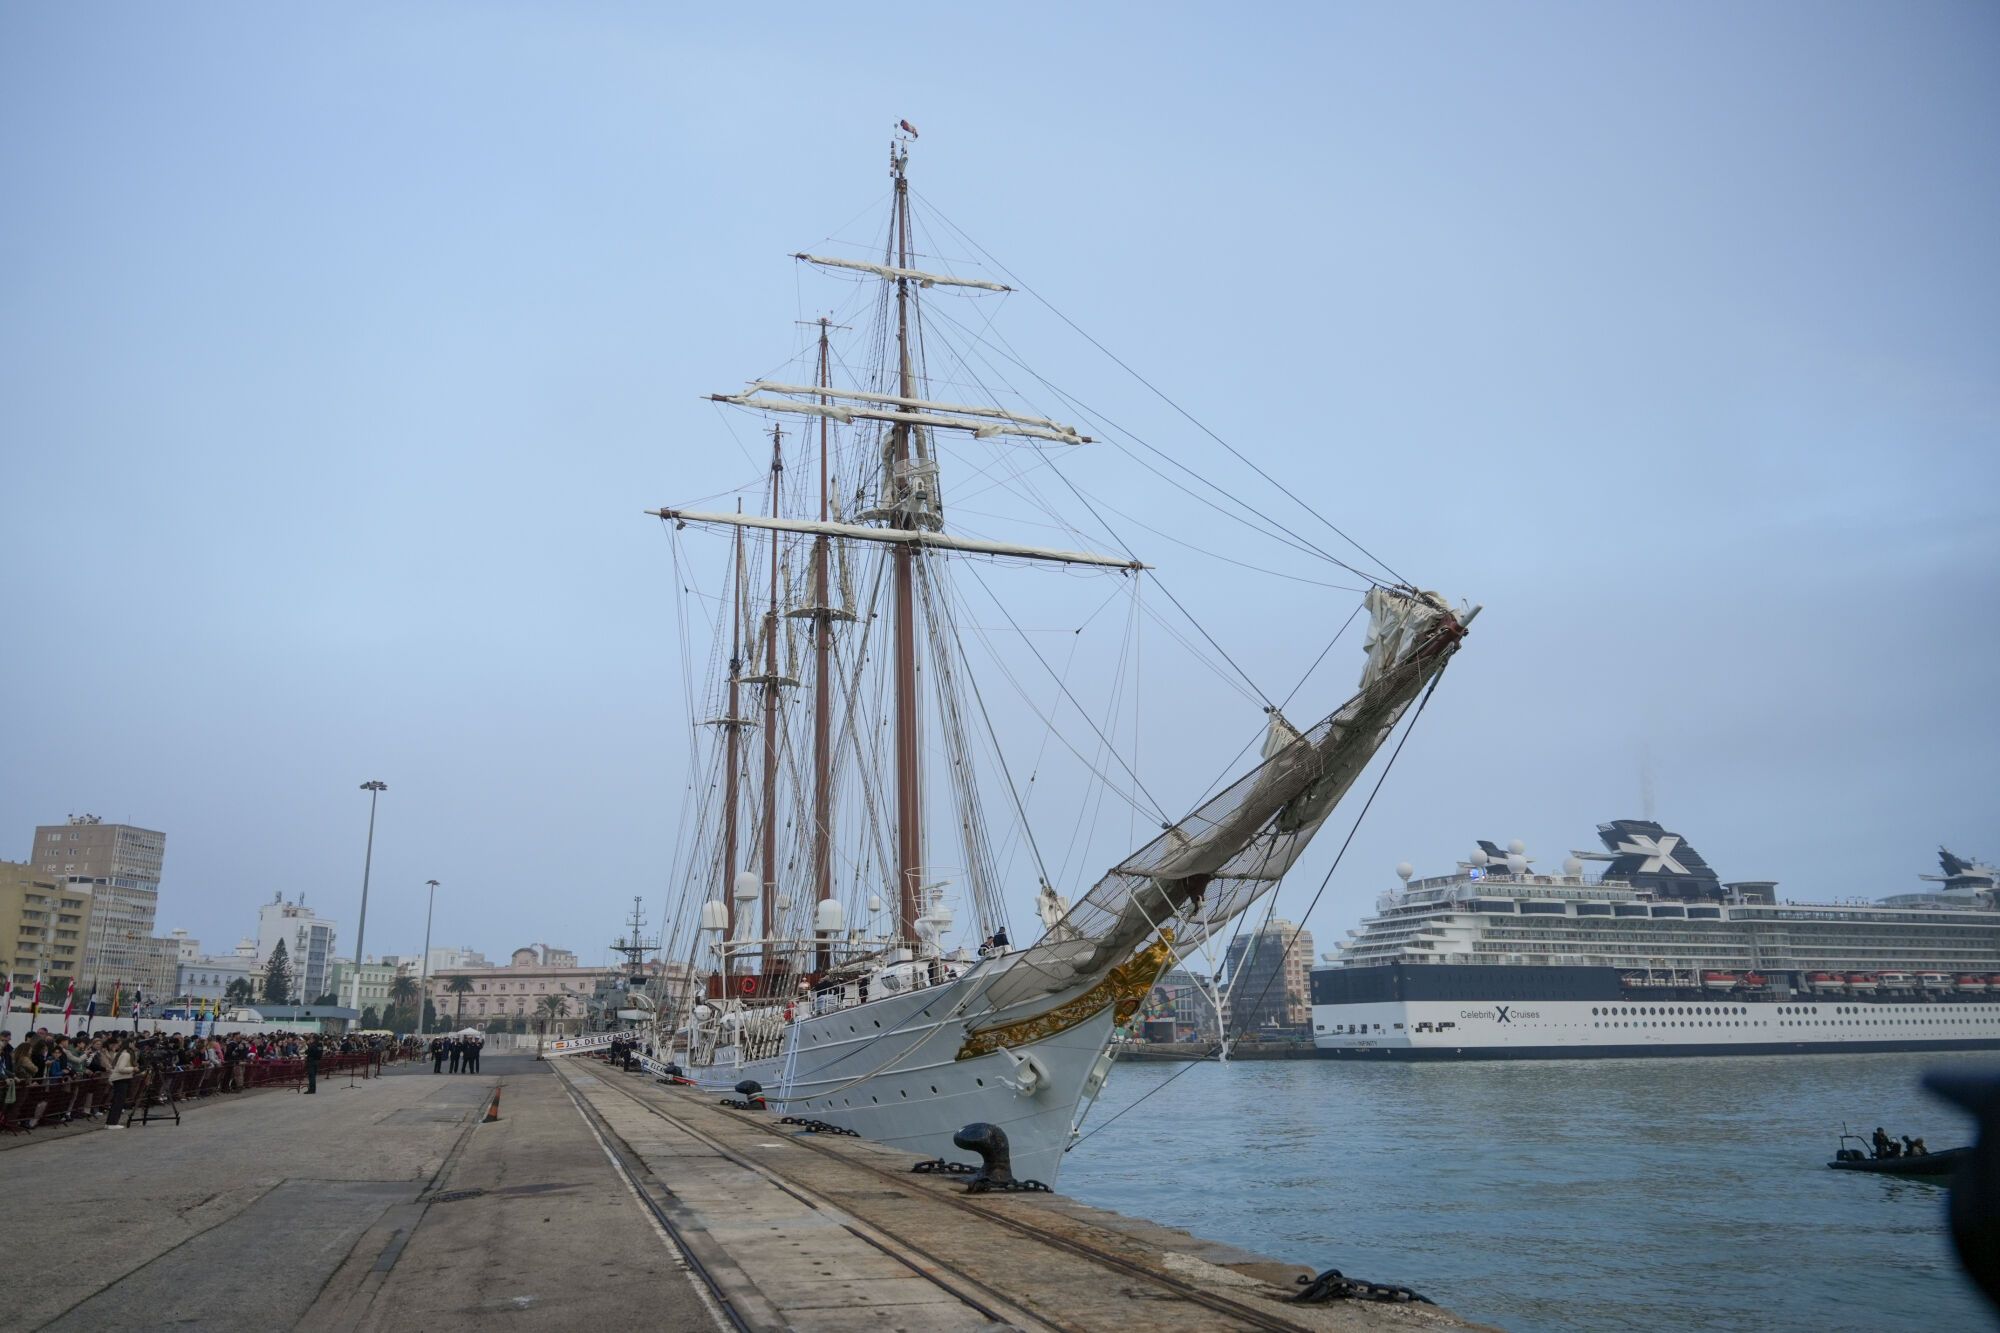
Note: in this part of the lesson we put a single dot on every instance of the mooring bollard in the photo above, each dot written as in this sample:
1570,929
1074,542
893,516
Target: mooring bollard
996,1165
749,1096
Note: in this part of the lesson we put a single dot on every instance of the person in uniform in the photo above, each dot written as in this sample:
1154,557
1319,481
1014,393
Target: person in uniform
312,1065
457,1052
437,1055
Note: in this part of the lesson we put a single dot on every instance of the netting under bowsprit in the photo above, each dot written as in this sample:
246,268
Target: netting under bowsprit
1210,866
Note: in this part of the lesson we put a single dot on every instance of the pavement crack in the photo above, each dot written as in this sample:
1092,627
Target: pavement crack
92,1294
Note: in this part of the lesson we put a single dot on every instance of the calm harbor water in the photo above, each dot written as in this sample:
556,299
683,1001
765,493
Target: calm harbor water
1558,1195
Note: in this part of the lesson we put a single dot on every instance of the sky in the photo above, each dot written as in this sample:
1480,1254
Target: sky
342,347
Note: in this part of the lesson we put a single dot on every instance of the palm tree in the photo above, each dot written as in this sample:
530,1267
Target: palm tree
461,986
404,994
554,1009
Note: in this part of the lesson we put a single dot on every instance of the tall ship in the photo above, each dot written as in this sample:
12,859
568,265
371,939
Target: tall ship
867,813
1657,956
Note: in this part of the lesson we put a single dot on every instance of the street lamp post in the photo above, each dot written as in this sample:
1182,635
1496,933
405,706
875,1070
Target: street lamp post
424,986
374,790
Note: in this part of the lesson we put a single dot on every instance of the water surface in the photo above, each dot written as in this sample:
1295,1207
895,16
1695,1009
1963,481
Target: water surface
1557,1195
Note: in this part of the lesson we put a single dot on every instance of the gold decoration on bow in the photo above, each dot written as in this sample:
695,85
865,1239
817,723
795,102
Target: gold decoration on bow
1124,987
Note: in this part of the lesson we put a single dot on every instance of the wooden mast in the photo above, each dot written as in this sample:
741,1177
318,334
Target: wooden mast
909,796
732,724
769,903
822,859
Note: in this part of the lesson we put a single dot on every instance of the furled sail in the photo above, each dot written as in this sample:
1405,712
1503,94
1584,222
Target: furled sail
917,276
902,537
1203,871
920,404
981,429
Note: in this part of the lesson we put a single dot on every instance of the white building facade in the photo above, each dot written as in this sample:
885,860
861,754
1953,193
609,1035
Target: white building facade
308,941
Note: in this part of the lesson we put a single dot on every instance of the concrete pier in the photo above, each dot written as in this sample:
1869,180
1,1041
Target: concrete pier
817,1231
597,1197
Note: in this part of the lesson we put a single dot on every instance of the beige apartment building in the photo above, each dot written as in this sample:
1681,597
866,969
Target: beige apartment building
119,866
517,990
43,928
377,979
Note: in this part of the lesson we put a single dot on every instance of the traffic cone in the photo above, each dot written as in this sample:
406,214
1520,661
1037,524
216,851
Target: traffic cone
493,1109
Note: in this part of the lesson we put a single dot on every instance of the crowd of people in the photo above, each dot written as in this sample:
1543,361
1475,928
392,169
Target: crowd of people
461,1051
45,1062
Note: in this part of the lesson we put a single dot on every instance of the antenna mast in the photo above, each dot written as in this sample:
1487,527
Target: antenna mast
633,945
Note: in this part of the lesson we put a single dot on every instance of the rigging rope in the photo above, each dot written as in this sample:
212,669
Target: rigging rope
1161,394
1292,942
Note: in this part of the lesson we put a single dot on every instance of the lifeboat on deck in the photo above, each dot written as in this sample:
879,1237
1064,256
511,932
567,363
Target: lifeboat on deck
1939,981
1718,980
1894,980
1828,981
1754,981
1971,983
1861,983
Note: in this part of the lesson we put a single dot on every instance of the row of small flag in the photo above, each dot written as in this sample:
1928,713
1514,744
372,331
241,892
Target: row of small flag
208,1010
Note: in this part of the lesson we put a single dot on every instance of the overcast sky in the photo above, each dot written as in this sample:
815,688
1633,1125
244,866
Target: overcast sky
341,349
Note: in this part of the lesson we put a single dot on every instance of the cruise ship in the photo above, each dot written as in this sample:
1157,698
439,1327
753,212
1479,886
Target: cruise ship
1656,956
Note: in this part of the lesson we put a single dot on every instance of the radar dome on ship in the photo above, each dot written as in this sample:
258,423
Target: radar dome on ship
1480,858
1517,847
1572,867
1404,870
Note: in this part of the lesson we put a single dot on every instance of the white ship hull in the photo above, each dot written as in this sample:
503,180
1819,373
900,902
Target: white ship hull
1545,1029
1657,957
892,1071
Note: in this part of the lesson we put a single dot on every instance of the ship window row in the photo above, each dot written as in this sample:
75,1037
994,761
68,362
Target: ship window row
1945,918
1857,932
1666,1010
1872,1022
1905,1008
1685,1023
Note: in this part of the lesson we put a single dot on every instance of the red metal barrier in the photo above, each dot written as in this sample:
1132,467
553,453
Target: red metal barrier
26,1105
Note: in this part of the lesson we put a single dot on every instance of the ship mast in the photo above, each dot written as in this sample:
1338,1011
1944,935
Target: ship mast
732,723
771,682
822,860
909,793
